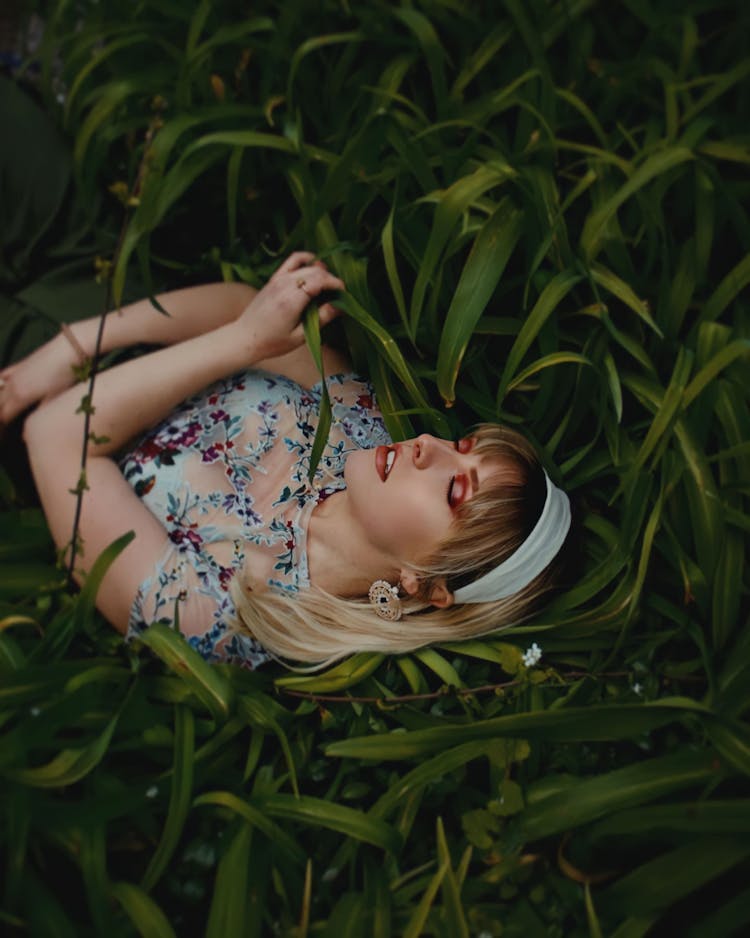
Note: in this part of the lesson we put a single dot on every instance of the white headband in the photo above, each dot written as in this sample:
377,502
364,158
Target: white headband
536,552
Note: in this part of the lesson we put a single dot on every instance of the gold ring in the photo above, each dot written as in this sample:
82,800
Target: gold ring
301,284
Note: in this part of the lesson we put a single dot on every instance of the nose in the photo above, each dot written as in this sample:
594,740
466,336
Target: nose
429,449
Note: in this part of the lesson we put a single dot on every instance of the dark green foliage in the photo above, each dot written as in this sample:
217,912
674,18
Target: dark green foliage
540,211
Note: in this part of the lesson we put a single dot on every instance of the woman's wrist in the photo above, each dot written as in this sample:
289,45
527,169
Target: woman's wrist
80,354
78,340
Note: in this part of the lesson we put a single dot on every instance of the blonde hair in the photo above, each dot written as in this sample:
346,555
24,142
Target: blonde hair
317,627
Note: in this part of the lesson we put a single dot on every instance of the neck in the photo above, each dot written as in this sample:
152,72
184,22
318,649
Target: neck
340,558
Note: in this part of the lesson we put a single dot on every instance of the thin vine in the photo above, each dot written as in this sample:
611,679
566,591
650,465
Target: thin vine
445,691
89,368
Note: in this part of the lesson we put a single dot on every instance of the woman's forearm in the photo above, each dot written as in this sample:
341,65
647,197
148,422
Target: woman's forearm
136,394
191,312
133,396
51,368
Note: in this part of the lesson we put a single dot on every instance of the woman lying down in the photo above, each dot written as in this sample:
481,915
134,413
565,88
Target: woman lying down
391,547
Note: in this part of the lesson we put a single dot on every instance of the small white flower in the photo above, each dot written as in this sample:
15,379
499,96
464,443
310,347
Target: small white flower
637,688
35,711
152,792
532,655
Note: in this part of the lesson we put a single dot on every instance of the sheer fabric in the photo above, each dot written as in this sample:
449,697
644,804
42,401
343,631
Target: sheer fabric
226,474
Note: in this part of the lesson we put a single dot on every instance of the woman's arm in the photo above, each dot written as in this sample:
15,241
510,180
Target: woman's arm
133,396
192,312
50,369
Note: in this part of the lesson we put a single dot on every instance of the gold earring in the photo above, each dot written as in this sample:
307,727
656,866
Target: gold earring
384,598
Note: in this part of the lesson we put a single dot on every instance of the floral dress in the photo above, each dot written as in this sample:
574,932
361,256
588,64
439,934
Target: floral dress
226,475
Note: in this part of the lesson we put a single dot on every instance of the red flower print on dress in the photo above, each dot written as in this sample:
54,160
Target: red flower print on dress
186,539
226,574
190,434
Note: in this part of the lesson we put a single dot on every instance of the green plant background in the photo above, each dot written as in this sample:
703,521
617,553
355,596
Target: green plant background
541,212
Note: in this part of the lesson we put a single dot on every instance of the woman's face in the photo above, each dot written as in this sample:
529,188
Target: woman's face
405,496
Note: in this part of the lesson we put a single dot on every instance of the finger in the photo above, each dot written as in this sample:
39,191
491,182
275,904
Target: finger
296,260
313,280
329,312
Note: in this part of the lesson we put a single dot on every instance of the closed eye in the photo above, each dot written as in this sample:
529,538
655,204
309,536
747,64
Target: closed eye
466,445
457,490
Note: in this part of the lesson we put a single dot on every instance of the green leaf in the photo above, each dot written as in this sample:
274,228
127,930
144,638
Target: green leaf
432,49
147,917
207,683
732,740
740,348
388,348
179,798
595,227
452,203
431,769
229,906
668,407
595,928
503,653
80,616
592,798
343,675
480,276
549,300
391,265
548,361
435,662
69,765
617,287
621,721
729,816
311,324
415,925
453,912
251,812
231,33
312,45
656,884
320,813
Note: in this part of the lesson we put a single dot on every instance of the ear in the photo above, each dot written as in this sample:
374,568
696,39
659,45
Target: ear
440,597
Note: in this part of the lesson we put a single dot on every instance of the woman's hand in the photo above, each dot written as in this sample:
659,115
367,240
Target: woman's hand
272,322
38,377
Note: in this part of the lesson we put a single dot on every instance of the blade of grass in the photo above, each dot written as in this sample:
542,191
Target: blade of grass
480,276
594,228
179,798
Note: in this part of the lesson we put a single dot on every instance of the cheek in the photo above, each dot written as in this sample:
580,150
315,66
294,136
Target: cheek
421,516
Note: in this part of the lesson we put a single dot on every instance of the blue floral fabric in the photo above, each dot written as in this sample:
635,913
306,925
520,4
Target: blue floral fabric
226,474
